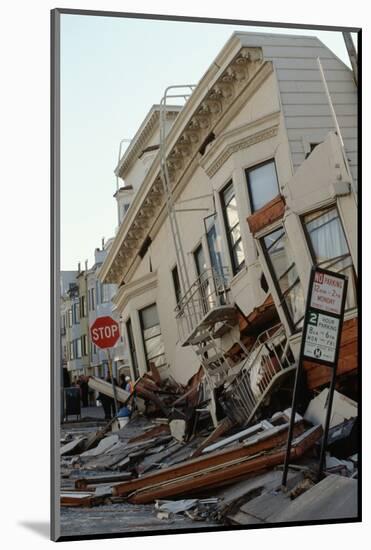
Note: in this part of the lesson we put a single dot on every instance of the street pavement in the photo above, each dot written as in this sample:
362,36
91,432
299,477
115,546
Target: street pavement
92,412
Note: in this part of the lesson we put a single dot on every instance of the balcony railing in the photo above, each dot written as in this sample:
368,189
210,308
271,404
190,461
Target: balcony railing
207,292
269,358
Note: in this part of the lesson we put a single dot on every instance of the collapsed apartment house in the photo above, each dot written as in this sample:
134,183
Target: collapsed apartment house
252,186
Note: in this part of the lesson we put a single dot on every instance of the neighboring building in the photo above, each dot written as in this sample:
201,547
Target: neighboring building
76,323
83,299
67,278
262,192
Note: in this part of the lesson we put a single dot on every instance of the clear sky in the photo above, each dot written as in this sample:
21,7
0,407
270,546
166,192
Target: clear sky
112,71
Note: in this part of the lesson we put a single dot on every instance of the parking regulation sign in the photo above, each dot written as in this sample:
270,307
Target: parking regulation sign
327,292
324,316
323,321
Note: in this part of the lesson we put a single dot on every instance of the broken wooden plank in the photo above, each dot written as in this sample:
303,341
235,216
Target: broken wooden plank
77,499
267,441
227,471
224,426
264,425
82,482
104,387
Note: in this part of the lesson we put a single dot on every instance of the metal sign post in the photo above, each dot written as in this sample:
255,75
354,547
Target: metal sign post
105,332
112,380
320,342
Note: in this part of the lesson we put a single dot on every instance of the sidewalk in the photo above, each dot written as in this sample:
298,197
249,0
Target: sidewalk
92,412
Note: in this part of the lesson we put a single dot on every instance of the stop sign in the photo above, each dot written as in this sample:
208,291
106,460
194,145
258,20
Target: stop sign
105,332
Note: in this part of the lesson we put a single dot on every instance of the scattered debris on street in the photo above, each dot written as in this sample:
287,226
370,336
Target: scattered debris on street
171,464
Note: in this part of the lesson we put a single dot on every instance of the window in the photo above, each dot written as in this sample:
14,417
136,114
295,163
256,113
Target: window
200,262
232,227
262,184
329,247
83,306
78,348
84,346
70,318
76,313
91,299
132,350
105,292
176,283
283,270
213,243
93,349
71,351
152,338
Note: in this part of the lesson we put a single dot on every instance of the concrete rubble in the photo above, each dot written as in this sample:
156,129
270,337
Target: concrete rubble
176,470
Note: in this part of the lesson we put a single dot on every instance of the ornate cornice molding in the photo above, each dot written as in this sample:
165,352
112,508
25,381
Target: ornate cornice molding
244,143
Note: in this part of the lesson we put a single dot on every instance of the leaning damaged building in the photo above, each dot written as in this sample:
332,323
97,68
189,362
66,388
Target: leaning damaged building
227,203
251,187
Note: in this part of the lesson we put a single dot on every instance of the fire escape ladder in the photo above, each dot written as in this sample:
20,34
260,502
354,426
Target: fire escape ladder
269,359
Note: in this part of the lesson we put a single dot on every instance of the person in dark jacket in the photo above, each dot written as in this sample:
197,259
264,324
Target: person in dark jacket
84,389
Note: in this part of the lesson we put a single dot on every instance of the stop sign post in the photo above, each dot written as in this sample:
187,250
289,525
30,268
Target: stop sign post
105,332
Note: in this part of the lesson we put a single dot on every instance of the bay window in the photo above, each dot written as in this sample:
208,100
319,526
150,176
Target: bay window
282,266
329,248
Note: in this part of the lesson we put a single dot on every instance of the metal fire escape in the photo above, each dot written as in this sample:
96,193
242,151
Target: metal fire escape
204,312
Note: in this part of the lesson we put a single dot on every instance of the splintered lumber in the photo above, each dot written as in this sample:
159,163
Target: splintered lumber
155,373
265,441
104,387
229,471
148,394
84,482
224,426
77,499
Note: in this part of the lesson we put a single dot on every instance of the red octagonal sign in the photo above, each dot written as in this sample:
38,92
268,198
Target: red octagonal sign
105,332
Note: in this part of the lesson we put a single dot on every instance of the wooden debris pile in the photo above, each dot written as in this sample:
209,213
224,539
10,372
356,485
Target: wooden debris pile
178,466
